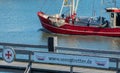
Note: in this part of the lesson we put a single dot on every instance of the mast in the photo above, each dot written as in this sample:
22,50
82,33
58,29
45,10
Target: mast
102,1
62,8
71,4
114,1
72,7
76,5
93,8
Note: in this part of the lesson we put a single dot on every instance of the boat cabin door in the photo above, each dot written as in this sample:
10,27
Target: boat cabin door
118,19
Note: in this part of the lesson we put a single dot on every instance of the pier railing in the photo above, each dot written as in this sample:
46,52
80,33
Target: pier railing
108,60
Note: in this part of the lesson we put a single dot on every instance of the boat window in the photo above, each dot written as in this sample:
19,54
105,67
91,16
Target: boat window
118,19
112,15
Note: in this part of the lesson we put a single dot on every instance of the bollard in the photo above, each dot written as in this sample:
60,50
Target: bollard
71,69
52,43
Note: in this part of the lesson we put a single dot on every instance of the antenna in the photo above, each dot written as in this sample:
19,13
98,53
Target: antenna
114,1
102,2
93,8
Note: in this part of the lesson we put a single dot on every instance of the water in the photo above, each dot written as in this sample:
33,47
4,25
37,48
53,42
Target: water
19,24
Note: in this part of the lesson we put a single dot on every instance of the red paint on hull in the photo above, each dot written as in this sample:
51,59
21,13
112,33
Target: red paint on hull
78,30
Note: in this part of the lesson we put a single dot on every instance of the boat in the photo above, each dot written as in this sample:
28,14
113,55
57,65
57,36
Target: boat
72,25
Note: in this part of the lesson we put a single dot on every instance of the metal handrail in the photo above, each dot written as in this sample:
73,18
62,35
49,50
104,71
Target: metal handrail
60,48
89,50
29,53
23,45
